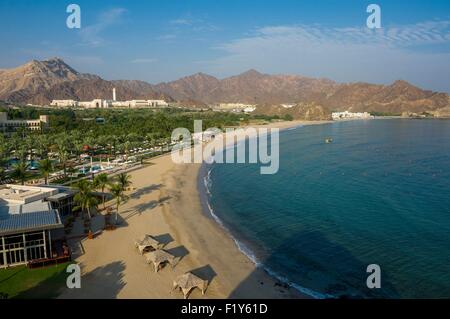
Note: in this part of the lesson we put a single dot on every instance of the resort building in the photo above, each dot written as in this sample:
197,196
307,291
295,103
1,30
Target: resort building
206,136
64,103
102,103
249,109
235,107
31,227
350,115
12,125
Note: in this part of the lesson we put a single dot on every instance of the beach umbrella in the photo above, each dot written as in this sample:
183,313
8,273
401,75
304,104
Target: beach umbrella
189,281
159,257
147,241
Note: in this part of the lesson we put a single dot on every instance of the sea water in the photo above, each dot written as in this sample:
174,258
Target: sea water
378,194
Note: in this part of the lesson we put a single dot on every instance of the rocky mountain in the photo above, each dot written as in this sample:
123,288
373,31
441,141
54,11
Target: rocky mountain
398,97
256,88
304,110
197,87
249,87
41,81
36,76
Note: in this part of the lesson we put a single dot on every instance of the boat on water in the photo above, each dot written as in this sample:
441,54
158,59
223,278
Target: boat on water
328,140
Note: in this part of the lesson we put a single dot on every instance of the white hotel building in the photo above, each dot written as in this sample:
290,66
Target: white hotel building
102,103
7,126
31,225
346,115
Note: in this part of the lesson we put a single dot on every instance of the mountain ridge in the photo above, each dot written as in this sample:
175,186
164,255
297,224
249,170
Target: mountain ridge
38,82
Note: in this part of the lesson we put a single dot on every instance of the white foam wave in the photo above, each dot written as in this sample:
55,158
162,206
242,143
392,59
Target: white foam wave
250,255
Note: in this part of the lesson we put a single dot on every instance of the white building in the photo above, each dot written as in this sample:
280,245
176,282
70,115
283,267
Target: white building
234,106
12,125
249,109
157,103
205,136
72,103
102,103
350,115
31,224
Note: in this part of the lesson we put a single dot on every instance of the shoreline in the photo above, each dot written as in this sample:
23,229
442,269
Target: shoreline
241,244
166,202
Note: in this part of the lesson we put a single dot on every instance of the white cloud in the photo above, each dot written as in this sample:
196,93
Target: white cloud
181,21
144,60
344,54
91,35
166,37
192,24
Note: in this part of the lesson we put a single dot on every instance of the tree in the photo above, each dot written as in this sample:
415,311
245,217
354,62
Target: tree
63,151
4,148
43,145
20,171
124,180
72,170
45,167
102,181
2,175
119,196
85,198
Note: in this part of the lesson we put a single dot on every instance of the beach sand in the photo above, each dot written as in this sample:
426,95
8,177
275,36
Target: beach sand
166,204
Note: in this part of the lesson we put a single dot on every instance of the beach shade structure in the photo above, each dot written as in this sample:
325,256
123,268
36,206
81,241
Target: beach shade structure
159,257
188,282
147,242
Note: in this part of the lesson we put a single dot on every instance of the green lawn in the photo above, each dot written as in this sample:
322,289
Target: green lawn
21,282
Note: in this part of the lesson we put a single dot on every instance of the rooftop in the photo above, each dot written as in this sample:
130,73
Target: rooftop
25,208
34,221
17,194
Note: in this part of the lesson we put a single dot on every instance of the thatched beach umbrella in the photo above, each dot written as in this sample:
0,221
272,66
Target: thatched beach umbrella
146,242
189,281
159,257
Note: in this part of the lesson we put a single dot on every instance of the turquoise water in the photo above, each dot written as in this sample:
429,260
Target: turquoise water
379,194
32,164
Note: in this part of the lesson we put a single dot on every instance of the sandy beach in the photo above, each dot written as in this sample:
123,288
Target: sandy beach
166,204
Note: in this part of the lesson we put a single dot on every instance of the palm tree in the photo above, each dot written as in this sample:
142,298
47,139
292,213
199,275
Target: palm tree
20,171
63,151
43,145
2,175
85,197
101,181
3,147
71,170
119,196
124,180
45,167
63,157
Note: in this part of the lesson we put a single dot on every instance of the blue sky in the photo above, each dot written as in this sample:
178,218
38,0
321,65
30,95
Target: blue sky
163,40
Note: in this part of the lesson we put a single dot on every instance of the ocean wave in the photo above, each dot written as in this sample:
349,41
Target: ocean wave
293,128
251,255
207,182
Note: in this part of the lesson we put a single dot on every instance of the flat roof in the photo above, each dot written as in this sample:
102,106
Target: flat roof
27,222
60,196
18,194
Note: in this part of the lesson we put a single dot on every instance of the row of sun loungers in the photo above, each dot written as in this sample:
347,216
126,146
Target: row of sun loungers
154,253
